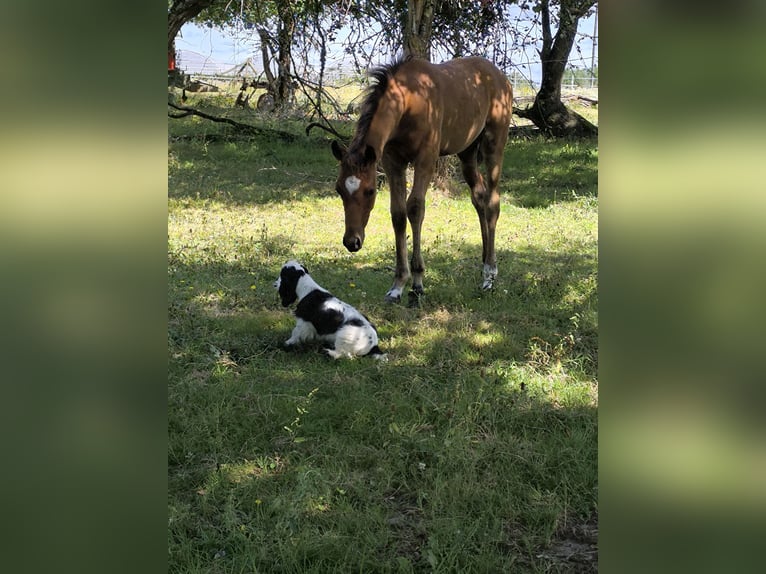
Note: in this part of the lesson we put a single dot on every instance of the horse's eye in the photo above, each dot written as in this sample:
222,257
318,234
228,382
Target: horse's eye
369,192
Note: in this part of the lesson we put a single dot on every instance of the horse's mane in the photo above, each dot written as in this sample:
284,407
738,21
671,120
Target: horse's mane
379,78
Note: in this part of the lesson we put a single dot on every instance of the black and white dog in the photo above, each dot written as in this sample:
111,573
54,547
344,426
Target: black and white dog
320,316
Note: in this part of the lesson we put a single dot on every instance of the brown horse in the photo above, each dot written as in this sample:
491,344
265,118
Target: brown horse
415,112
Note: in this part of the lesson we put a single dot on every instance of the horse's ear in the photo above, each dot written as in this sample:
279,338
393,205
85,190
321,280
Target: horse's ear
369,155
338,150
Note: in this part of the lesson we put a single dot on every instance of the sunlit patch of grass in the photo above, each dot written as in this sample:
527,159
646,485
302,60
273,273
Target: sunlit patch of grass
247,470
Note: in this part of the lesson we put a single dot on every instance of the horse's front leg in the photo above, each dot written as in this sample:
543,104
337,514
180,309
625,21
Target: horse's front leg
398,185
416,208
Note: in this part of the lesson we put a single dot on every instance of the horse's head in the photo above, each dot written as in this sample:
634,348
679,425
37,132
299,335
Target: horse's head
356,186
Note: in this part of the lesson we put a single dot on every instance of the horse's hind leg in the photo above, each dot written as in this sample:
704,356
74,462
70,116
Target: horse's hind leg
492,146
481,199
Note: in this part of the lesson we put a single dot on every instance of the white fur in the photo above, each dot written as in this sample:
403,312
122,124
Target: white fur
352,184
489,274
394,293
303,331
348,340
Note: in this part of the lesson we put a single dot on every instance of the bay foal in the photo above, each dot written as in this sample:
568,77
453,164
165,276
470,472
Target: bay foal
415,112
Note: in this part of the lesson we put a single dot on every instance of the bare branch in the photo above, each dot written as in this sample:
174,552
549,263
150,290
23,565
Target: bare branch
186,111
328,128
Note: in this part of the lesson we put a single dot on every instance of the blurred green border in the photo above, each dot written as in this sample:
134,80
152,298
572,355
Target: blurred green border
83,168
682,448
681,280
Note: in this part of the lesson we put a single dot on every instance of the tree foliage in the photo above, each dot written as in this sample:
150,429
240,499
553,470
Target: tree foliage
182,11
291,33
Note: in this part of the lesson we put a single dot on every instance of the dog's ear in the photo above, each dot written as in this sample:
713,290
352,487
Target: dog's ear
287,294
287,300
288,284
306,271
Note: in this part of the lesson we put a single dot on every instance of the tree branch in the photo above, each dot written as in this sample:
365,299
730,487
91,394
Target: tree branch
545,16
266,55
186,111
328,128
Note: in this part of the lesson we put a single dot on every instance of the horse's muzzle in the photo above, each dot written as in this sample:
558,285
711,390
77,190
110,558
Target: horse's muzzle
353,243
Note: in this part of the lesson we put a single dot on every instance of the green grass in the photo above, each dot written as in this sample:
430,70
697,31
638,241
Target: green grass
473,449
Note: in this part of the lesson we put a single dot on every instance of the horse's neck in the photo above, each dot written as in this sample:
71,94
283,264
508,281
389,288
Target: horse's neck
385,121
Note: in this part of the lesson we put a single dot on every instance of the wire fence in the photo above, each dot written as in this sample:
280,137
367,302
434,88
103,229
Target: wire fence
199,67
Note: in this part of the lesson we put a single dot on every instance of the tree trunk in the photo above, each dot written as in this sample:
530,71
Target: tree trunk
418,26
285,34
266,59
548,111
555,119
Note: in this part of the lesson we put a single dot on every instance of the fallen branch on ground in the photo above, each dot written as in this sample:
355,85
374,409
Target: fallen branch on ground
186,111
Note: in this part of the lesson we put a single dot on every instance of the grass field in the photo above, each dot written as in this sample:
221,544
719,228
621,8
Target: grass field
473,449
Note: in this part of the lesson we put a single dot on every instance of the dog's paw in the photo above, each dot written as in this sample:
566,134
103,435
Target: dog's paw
332,353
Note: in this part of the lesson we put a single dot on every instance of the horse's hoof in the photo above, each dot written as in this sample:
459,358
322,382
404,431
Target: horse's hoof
394,295
490,274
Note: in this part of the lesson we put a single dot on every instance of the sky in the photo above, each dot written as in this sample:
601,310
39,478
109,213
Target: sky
209,50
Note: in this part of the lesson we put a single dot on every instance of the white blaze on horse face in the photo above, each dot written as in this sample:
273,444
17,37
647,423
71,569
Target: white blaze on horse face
352,184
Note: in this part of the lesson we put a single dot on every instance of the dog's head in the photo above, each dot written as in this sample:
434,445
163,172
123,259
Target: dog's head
287,282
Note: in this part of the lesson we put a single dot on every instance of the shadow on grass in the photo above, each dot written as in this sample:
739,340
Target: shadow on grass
465,450
253,171
250,171
543,171
543,303
472,449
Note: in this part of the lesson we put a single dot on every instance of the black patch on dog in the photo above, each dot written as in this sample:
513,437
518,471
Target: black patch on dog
374,351
288,283
312,309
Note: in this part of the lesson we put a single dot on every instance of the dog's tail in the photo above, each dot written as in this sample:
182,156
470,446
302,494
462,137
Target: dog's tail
377,354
